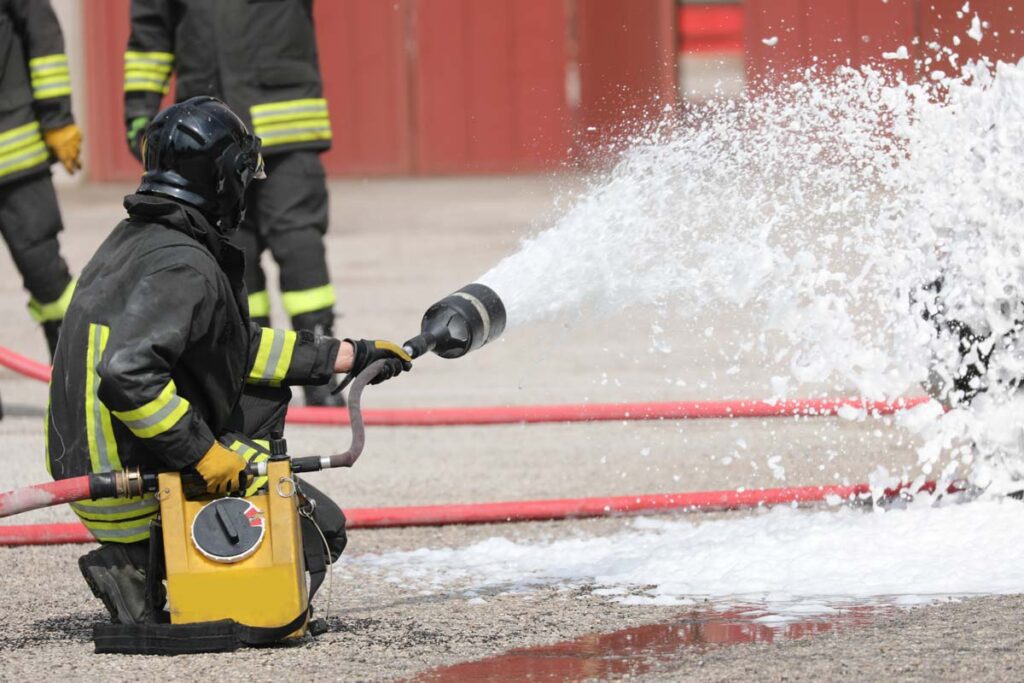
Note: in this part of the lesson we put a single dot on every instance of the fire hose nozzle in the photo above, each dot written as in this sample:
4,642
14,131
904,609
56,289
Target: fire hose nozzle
459,323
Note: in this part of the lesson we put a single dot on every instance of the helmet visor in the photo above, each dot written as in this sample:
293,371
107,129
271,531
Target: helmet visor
252,160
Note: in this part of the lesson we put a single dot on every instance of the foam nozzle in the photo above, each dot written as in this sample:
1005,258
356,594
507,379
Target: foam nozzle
459,323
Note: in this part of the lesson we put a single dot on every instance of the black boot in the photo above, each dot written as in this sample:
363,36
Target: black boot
51,329
118,578
322,323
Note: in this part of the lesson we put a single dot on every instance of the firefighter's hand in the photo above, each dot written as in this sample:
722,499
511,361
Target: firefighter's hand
66,144
222,470
136,129
366,351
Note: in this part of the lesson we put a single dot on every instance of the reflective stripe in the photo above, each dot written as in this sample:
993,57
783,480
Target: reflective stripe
38,154
99,430
56,59
259,304
46,436
308,300
274,356
148,71
50,76
279,123
29,130
120,532
116,509
22,148
251,455
55,310
165,58
157,416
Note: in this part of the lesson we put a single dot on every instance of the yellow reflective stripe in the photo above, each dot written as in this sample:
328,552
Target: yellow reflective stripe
121,531
39,155
51,91
279,123
308,300
157,416
273,357
116,509
7,137
53,310
99,430
155,57
251,455
259,304
313,103
148,71
49,71
48,60
46,436
297,137
266,120
146,85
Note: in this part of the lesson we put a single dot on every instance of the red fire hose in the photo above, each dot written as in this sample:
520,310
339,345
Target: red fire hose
44,495
595,412
521,511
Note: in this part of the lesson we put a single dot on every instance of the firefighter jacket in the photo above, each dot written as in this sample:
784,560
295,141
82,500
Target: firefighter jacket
35,86
258,57
153,355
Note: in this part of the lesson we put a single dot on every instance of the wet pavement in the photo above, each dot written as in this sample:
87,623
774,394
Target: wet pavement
639,650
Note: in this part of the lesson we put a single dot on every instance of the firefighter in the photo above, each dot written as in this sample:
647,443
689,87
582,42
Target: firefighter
36,129
160,365
261,59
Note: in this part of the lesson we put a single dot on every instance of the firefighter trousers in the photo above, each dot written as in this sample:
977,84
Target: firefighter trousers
30,222
287,214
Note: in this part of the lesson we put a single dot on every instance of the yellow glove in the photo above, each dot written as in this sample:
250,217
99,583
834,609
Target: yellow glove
221,469
66,145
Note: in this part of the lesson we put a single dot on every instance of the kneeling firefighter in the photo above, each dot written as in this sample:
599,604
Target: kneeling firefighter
159,366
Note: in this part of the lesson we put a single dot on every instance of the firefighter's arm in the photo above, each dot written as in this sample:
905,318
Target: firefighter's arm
138,360
50,78
284,357
148,64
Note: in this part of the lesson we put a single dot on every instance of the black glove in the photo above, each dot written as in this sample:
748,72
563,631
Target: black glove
370,350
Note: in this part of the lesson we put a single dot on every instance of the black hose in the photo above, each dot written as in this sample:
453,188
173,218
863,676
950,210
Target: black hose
355,415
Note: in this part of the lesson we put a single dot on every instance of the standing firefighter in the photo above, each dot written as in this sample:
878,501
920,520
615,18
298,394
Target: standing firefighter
261,59
36,127
159,365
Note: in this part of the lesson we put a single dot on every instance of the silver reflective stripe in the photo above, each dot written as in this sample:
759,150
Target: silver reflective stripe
12,142
155,418
21,157
276,347
297,129
122,532
305,108
97,406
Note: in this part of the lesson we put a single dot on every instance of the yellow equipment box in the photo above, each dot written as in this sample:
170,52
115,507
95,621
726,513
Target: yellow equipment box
235,558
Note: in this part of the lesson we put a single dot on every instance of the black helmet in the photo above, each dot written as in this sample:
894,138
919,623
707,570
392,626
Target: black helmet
199,152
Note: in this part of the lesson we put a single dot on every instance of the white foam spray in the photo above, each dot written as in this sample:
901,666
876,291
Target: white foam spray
825,209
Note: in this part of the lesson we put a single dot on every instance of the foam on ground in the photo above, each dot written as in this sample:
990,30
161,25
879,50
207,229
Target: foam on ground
791,561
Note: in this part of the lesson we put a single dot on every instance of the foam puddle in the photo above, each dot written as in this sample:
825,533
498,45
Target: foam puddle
789,562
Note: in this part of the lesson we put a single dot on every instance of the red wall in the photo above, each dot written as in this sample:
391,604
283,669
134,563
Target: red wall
489,91
861,30
440,86
627,55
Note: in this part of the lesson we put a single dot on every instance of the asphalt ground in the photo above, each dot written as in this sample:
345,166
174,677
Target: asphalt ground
395,247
